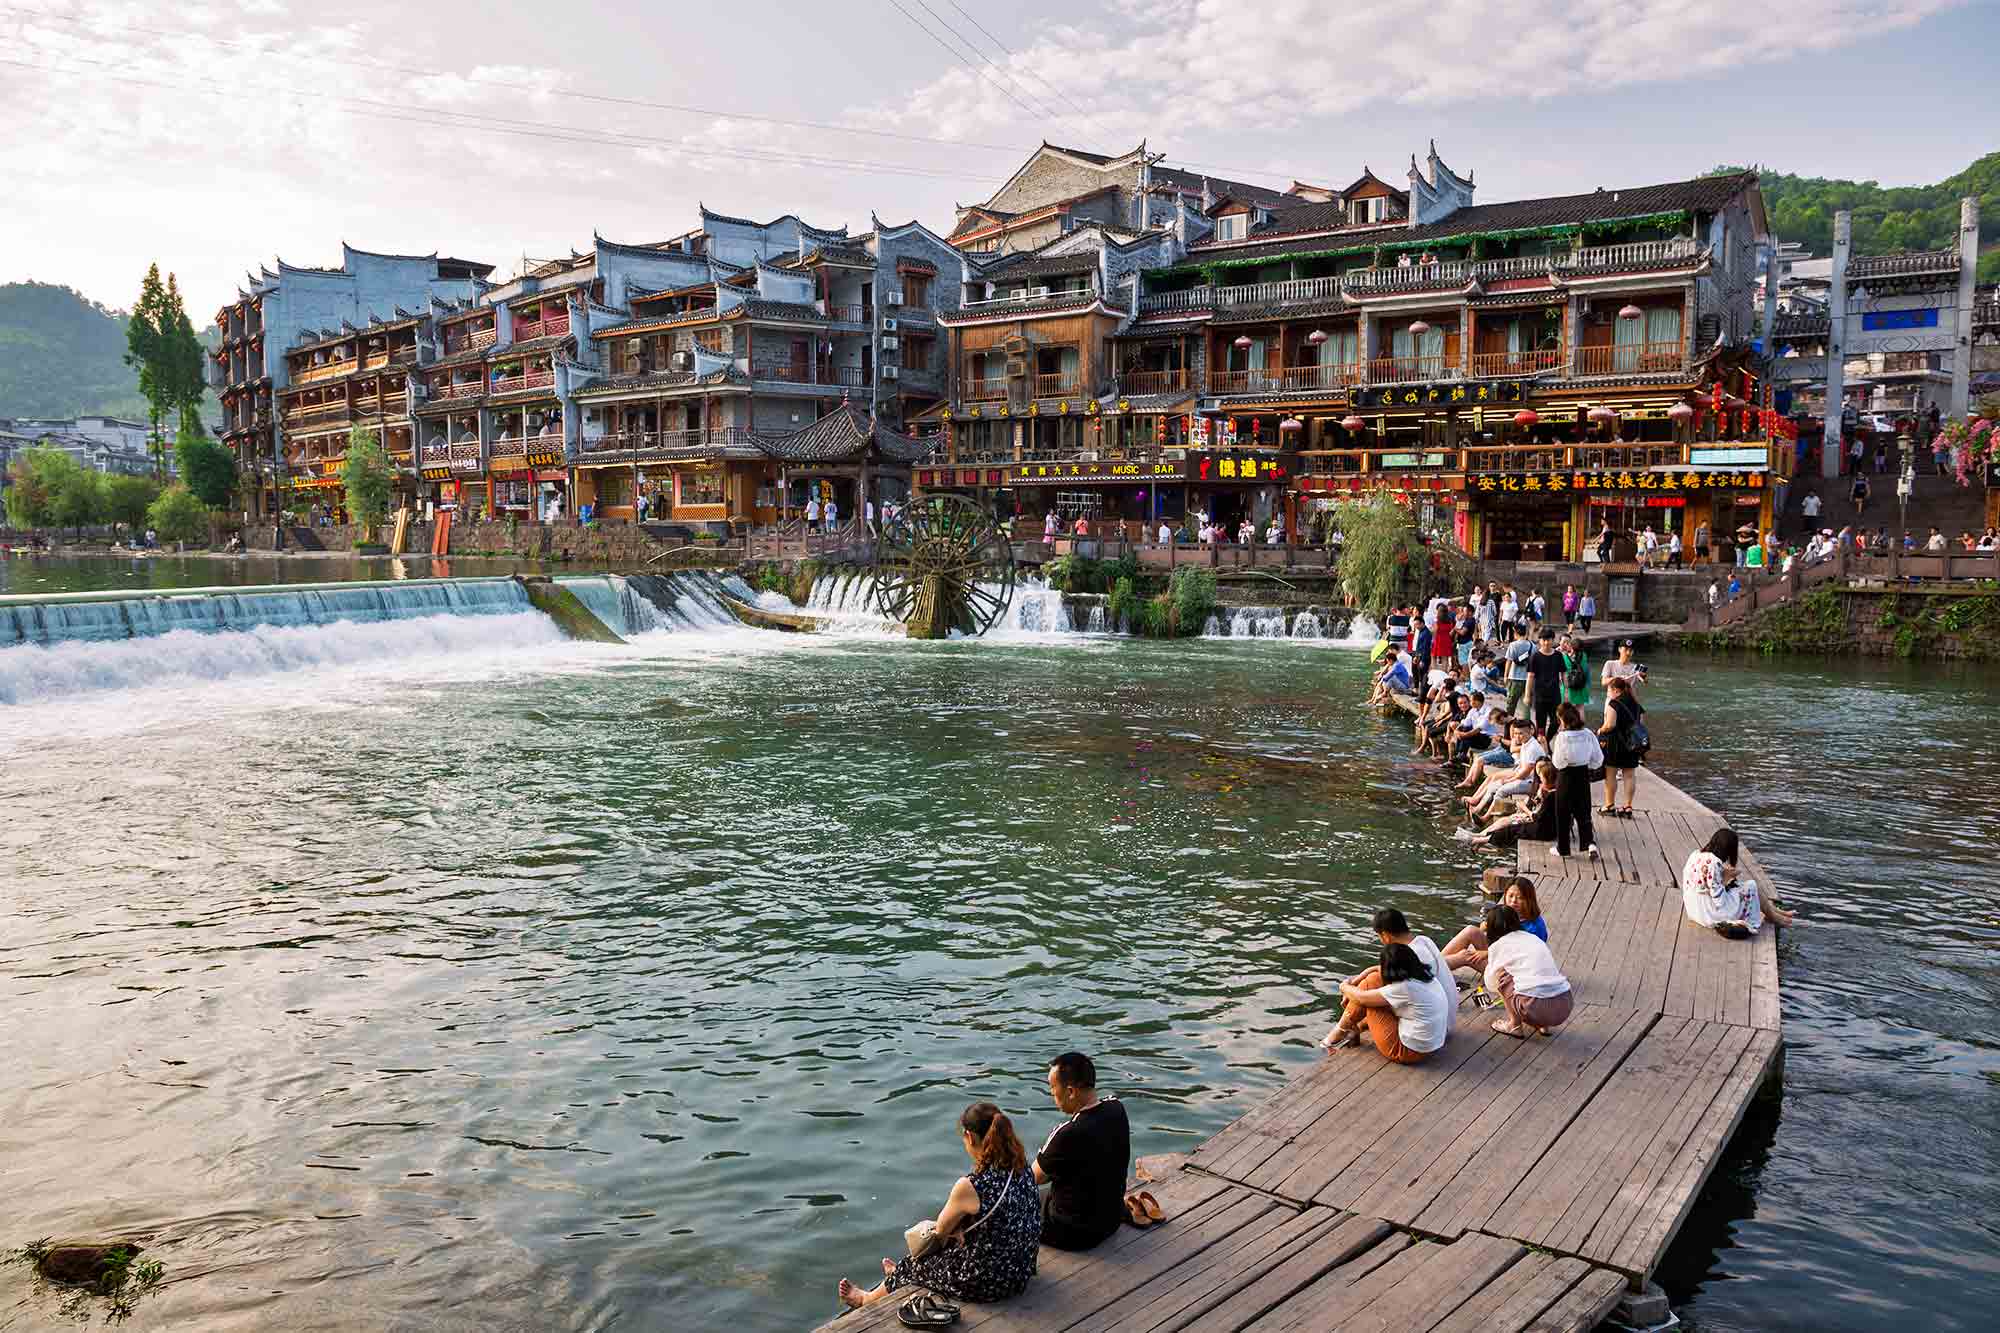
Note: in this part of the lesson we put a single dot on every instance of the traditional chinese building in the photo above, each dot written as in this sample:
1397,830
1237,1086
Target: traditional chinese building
337,380
1412,339
278,309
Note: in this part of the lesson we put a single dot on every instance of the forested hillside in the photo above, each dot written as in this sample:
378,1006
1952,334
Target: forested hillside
62,355
1904,217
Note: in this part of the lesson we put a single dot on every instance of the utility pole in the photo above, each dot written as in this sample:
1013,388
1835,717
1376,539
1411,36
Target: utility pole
1968,273
1836,348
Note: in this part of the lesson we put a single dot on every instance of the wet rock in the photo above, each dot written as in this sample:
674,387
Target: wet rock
82,1264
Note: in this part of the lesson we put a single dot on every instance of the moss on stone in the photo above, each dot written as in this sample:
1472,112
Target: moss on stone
572,617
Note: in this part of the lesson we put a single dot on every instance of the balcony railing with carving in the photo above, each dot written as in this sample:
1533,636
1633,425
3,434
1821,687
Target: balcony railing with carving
1333,375
985,391
1530,458
1603,457
532,379
460,389
1410,369
555,326
331,370
651,442
1632,254
1499,365
1054,386
1245,381
1024,300
1630,359
849,314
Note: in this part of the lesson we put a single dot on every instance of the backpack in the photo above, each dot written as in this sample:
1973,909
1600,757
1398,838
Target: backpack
1579,675
1637,739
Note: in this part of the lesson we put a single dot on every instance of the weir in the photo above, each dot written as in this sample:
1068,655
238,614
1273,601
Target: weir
102,616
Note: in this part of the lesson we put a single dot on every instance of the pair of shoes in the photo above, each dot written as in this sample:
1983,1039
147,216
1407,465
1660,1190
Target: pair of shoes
1556,855
1624,812
1143,1204
1592,852
927,1311
1732,930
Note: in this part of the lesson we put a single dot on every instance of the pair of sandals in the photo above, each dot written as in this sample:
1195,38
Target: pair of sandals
1616,812
927,1311
1142,1210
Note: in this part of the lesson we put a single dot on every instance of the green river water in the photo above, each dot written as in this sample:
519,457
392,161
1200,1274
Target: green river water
472,979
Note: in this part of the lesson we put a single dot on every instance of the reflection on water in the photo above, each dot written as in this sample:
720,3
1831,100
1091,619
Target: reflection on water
566,986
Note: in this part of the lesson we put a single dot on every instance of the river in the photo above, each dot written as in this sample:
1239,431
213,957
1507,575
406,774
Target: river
485,980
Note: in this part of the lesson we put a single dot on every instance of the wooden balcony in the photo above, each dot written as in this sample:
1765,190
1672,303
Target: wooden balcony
555,326
1245,381
849,377
1333,375
331,370
461,389
1410,369
1630,359
1526,458
1631,255
1055,386
1500,365
374,360
850,314
532,379
985,391
1155,381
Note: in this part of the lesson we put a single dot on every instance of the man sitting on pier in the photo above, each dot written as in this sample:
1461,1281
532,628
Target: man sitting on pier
1085,1160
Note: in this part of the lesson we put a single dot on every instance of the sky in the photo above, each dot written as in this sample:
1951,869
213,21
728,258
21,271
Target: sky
216,135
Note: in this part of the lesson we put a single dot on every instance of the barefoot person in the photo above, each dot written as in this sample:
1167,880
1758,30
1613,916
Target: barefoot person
1711,894
1468,947
1085,1160
1401,1005
1523,973
989,1230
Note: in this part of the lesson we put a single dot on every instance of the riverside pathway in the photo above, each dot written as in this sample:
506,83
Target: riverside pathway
1500,1186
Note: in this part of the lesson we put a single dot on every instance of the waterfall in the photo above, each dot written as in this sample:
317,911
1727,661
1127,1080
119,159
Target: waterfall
1096,625
1212,629
1037,609
1257,622
687,601
1361,633
1306,625
26,620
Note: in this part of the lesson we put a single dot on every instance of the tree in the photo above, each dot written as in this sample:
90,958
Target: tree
1382,554
126,500
34,481
178,515
160,344
207,466
79,498
367,475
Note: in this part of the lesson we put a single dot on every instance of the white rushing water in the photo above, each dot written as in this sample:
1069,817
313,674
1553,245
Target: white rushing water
1361,633
1306,625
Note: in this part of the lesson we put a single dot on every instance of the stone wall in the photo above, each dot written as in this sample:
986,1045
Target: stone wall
1663,596
1918,622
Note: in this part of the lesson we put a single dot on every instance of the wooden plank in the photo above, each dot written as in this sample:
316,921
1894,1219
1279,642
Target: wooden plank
1583,1307
1541,1291
1347,1254
1413,1291
1507,1156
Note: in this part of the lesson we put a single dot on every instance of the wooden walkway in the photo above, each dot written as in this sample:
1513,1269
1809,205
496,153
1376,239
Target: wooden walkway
1502,1184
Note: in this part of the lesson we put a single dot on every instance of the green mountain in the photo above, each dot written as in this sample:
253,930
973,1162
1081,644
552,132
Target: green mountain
1903,217
63,355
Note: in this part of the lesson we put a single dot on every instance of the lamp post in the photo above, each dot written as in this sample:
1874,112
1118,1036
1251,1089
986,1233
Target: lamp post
1904,485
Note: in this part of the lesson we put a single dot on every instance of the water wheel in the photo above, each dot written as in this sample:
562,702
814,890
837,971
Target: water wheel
943,564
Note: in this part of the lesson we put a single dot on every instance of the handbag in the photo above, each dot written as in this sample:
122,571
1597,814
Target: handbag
922,1237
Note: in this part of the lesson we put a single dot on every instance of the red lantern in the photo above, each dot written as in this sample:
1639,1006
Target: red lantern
1243,342
1527,416
1352,422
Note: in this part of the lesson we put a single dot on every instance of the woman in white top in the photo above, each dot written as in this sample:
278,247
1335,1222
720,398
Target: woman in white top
1523,973
1401,1003
1712,896
1049,525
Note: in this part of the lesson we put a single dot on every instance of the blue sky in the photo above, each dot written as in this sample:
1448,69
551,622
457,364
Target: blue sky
496,132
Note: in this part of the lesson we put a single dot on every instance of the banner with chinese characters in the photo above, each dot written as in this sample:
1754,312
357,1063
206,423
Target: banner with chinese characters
1239,467
1032,474
1449,394
1542,482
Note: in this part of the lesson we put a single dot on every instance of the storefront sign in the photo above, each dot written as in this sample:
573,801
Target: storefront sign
1436,488
552,457
1239,467
1449,394
1729,455
1539,482
1639,501
964,476
1031,474
436,474
1412,460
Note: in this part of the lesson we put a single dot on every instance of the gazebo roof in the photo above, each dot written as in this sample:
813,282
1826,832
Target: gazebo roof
843,436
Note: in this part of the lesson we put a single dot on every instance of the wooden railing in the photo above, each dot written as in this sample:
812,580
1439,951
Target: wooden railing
1244,381
461,389
848,314
532,379
331,370
850,377
984,391
1054,386
1153,381
1409,369
1333,375
1632,254
1496,365
1629,359
554,326
1623,457
1532,458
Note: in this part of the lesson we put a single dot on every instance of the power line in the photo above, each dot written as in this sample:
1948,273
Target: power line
1009,92
419,72
971,46
445,118
1030,68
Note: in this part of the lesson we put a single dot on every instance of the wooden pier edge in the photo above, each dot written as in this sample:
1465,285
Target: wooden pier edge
1499,1185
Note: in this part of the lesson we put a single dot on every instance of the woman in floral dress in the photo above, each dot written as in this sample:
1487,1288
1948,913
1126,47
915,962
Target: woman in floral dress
990,1229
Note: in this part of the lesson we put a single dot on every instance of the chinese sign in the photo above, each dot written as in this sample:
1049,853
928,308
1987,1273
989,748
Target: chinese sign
1900,319
1237,467
1542,482
1450,394
545,457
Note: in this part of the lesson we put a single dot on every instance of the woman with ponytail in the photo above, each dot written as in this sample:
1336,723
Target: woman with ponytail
989,1231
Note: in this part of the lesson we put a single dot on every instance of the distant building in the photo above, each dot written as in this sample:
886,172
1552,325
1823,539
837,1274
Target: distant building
102,444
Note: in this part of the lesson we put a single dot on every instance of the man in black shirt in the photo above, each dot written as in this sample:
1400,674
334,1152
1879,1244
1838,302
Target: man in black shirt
1545,680
1085,1161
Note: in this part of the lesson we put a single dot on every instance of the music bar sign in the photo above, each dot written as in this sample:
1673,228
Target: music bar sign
1033,474
1451,393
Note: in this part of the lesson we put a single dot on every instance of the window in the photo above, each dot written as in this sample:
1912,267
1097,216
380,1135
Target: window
700,488
1368,210
916,289
917,353
1231,227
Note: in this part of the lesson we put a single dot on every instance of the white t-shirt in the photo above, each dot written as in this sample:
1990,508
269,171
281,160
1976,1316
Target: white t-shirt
1423,1020
1617,670
1426,948
1528,961
1811,506
1530,752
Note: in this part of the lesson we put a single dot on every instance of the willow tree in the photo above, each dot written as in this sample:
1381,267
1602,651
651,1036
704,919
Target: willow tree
1386,559
367,476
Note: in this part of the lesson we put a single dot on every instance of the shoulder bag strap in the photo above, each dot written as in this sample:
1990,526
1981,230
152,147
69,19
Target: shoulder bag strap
981,1219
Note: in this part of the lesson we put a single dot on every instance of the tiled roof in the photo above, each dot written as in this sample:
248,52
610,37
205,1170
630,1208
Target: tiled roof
1026,309
841,436
1908,264
1034,265
1189,182
1802,326
465,358
1702,194
661,379
842,254
786,310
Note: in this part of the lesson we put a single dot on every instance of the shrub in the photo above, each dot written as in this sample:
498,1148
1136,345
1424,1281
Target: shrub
1074,573
1192,596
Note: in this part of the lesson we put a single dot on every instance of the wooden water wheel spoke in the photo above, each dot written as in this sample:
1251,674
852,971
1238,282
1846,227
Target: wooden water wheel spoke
929,565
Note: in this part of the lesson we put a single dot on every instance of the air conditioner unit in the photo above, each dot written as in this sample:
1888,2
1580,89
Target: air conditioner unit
891,344
681,361
888,326
1038,291
894,298
891,372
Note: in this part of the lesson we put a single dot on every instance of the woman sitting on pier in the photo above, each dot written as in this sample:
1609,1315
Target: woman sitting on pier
1402,1005
989,1231
1537,823
1523,973
1468,947
1712,895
